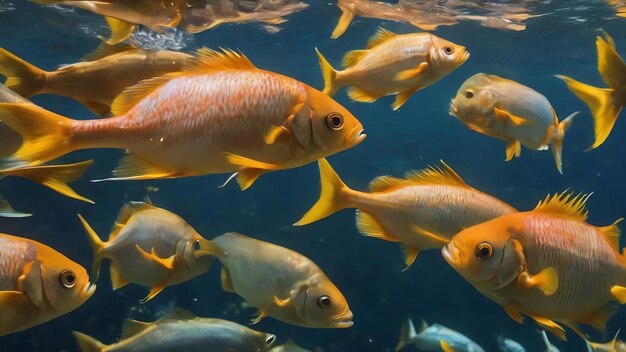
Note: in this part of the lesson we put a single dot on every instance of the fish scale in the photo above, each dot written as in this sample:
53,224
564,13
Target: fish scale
12,258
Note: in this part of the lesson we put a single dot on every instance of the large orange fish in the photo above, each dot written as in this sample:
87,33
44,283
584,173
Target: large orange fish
37,284
223,115
548,264
422,211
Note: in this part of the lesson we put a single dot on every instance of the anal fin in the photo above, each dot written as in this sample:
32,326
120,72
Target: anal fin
514,314
551,326
513,149
117,281
401,98
369,226
132,167
155,290
360,95
96,107
410,253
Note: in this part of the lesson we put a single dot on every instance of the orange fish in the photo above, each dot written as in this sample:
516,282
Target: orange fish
224,115
113,68
605,103
37,284
548,264
422,211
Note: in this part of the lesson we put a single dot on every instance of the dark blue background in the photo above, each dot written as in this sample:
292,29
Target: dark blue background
368,271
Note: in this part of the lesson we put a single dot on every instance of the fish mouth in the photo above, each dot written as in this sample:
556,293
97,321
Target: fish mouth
451,254
356,136
454,109
88,291
343,321
465,56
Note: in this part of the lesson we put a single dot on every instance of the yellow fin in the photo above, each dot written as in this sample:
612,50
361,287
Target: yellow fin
410,253
155,290
106,50
332,195
600,318
274,133
430,235
401,98
132,327
507,116
382,35
95,107
547,281
177,313
411,73
208,60
610,65
612,233
358,94
385,183
257,319
556,144
227,282
247,176
128,210
120,30
436,175
30,283
551,326
513,149
244,162
352,57
22,77
344,22
619,293
132,167
96,246
87,343
565,203
134,94
167,263
328,73
369,226
514,314
446,346
117,281
281,302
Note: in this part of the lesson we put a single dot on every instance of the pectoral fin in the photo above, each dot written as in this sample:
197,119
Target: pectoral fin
411,73
619,293
10,302
430,235
155,290
257,319
508,117
514,314
282,302
446,346
117,281
30,282
410,253
513,149
551,326
167,263
547,281
227,281
402,98
274,133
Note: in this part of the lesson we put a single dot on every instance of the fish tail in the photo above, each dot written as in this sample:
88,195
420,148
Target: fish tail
333,196
407,334
46,135
346,18
329,73
55,177
96,245
557,141
23,78
120,30
604,109
88,343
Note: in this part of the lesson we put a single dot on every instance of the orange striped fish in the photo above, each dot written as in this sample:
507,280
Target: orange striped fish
548,264
222,115
422,211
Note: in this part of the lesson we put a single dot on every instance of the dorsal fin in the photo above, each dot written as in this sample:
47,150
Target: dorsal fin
177,314
381,36
612,233
385,183
125,213
565,203
132,327
132,95
208,60
436,175
352,57
104,50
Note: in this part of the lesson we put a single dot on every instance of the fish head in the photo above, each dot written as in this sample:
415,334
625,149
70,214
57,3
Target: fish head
193,257
65,283
264,341
446,56
333,127
474,102
319,303
486,255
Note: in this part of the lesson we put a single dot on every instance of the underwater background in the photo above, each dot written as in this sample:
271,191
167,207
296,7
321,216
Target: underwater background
367,271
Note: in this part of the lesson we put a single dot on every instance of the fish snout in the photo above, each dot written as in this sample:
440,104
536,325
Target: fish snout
454,109
451,254
355,136
88,291
343,320
464,57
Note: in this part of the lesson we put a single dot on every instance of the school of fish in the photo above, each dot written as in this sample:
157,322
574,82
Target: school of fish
213,111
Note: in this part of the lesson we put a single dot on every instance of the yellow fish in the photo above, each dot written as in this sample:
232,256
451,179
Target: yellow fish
148,246
123,16
96,81
614,345
422,211
605,103
399,64
11,140
224,115
548,264
279,282
37,284
509,111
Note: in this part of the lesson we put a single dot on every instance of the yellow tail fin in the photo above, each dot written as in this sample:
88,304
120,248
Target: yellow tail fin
88,343
332,196
557,141
344,22
329,73
96,245
120,30
22,77
55,177
600,102
46,135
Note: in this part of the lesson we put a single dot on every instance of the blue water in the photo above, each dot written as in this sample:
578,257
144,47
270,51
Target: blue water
368,271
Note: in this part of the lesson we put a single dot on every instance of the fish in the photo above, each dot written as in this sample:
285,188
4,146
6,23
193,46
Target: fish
240,118
124,16
148,246
421,211
506,344
290,346
614,345
548,264
37,284
114,68
11,140
436,338
605,104
180,330
549,346
279,282
393,64
507,110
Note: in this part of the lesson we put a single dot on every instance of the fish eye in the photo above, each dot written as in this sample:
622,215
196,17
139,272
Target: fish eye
196,245
484,251
448,50
334,121
67,278
270,340
324,301
468,94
